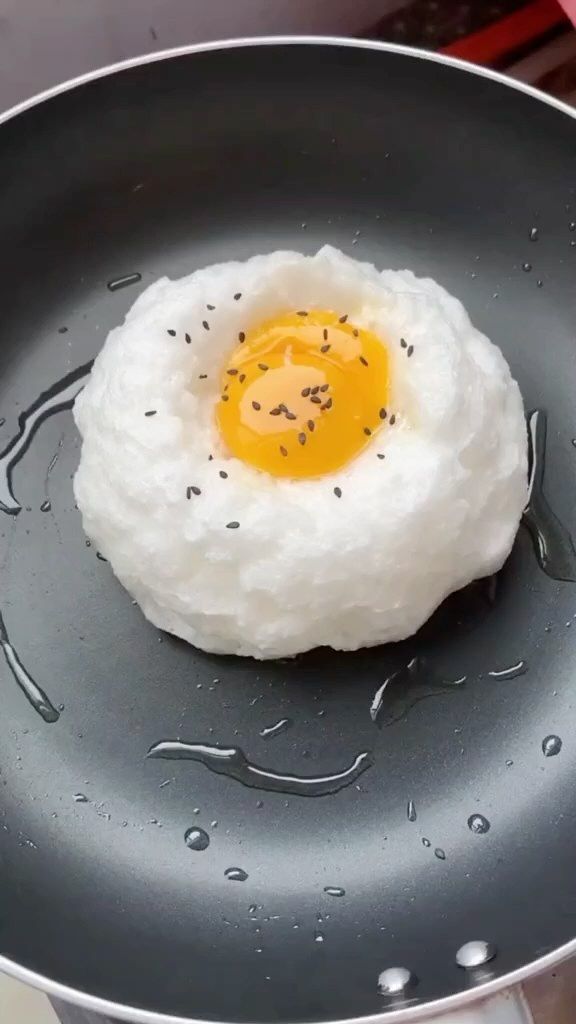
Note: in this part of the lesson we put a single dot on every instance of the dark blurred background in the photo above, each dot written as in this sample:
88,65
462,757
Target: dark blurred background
43,42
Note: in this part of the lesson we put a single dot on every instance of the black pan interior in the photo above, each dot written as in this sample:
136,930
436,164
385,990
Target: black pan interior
158,170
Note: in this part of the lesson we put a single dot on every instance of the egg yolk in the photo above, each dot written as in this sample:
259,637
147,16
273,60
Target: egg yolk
302,394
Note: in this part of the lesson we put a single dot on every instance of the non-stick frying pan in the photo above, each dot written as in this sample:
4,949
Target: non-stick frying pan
463,825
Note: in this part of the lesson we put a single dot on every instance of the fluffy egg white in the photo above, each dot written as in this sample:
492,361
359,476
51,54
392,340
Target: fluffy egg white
408,485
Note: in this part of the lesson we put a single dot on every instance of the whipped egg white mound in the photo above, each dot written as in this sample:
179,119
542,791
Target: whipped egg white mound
298,451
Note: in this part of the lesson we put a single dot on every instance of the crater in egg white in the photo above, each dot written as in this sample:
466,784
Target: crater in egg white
408,484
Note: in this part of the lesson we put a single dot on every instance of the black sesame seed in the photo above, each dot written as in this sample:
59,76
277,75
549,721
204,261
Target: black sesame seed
192,490
302,438
151,412
210,457
311,426
324,387
403,343
203,376
232,372
262,366
382,414
392,420
324,348
410,350
325,334
290,416
223,474
225,398
242,378
208,306
257,406
316,399
302,312
205,325
305,392
188,339
379,455
337,492
241,336
64,330
282,407
172,333
283,450
355,333
275,412
367,431
343,319
327,404
238,296
363,361
233,525
315,390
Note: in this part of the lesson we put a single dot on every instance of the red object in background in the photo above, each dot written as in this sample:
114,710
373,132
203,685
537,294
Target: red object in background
570,8
493,43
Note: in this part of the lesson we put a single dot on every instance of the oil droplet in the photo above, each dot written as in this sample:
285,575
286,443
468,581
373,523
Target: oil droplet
197,839
552,542
34,693
318,937
232,762
439,852
533,234
236,874
80,798
526,267
123,282
426,843
475,954
275,730
479,824
334,890
406,687
395,980
572,225
46,506
509,763
551,746
411,811
512,672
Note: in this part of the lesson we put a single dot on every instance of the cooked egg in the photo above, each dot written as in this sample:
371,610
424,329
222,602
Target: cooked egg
299,451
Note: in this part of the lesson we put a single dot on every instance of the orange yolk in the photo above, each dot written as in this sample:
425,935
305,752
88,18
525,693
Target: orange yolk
303,394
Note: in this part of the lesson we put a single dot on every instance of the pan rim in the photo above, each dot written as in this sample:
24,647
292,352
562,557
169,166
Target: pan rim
433,1008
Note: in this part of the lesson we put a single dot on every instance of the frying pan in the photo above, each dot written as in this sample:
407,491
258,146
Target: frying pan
462,826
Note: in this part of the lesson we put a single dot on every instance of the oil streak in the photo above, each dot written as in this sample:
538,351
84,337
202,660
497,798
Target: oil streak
123,282
275,730
59,397
232,762
406,687
512,672
552,542
31,690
